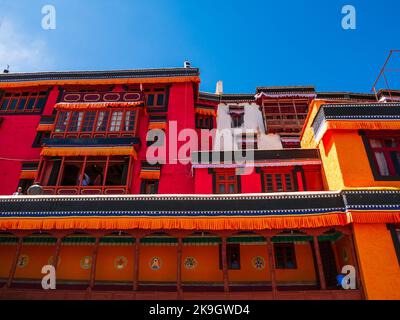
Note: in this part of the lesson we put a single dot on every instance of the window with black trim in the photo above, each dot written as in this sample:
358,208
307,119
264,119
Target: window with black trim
278,181
232,256
204,122
384,154
149,187
37,143
156,99
395,232
285,256
19,102
226,182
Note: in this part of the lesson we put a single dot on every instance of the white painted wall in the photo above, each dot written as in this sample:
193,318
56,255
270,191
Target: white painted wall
253,122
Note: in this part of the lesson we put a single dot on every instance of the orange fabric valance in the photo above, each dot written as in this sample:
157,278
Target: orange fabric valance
94,105
205,112
28,174
157,125
174,223
89,151
45,127
374,217
154,80
150,174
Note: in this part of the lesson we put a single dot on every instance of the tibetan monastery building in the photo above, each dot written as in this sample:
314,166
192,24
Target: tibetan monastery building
316,199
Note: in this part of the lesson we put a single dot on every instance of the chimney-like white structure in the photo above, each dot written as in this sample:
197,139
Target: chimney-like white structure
186,64
220,87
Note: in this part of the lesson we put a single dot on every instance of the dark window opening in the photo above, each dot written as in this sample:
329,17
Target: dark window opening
149,187
232,256
285,256
25,184
23,102
204,122
37,143
237,120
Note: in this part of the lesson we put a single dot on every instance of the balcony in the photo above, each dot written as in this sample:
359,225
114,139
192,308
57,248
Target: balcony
80,190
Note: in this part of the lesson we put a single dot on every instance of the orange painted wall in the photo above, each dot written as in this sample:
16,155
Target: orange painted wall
69,267
343,249
207,269
38,257
378,261
305,271
7,255
167,272
105,269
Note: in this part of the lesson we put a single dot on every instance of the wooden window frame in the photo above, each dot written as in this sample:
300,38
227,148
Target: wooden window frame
204,122
217,173
156,93
381,135
94,133
282,172
28,96
40,135
285,247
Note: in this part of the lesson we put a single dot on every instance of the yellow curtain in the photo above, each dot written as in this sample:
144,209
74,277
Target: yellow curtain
89,151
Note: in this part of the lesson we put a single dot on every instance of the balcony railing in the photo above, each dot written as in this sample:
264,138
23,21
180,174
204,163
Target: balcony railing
82,190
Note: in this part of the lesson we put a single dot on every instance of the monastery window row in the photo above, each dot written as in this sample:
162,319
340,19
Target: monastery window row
94,124
32,102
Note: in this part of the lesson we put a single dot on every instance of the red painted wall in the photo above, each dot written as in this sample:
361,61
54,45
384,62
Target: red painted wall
177,178
203,182
51,101
17,133
251,183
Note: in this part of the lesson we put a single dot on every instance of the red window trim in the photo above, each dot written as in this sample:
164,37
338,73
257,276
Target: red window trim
285,247
282,172
18,96
226,181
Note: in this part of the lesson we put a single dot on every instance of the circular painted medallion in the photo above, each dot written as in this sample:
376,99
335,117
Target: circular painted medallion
86,262
258,263
120,262
155,263
190,263
23,260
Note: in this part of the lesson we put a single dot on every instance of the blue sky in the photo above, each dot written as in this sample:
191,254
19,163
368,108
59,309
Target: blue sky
244,43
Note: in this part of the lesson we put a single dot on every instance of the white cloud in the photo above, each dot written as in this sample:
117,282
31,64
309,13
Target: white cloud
22,52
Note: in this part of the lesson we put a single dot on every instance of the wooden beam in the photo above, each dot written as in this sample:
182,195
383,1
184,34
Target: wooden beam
272,271
225,264
15,261
136,264
179,269
94,263
356,265
57,252
319,263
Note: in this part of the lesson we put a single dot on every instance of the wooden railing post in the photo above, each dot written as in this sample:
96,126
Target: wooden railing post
136,264
272,271
94,262
179,268
15,261
319,263
225,264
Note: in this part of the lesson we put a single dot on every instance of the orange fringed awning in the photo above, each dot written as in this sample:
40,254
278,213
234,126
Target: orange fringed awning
95,105
157,125
374,216
358,125
28,174
181,223
89,151
205,112
45,127
153,80
150,174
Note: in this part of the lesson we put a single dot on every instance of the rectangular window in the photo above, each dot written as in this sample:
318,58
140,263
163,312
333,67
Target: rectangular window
149,187
237,120
232,256
204,122
385,154
226,182
23,102
156,99
37,143
285,256
86,124
278,181
395,232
